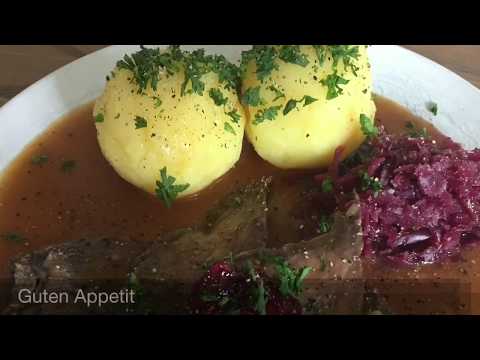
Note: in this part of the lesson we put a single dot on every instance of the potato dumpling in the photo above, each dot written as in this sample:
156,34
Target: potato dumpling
152,117
303,102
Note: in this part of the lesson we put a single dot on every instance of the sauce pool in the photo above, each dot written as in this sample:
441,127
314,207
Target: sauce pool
46,205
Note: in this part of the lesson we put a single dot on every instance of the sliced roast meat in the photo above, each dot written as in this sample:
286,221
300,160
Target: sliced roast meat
335,283
96,265
164,271
296,206
169,269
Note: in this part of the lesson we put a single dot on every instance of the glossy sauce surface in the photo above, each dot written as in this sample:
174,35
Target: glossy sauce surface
45,205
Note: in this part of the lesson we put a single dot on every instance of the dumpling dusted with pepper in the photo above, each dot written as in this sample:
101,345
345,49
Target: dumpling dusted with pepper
173,111
305,101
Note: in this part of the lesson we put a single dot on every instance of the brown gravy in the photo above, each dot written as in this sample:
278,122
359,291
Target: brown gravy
46,205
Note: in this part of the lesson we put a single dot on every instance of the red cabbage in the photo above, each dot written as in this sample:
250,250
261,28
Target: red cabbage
429,206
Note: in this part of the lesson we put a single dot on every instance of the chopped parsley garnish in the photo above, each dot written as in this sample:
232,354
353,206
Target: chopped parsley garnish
278,93
327,185
368,127
414,132
433,108
157,103
13,237
291,280
292,103
147,63
194,70
197,64
266,114
348,54
140,122
264,57
228,73
234,115
325,224
252,97
333,82
68,166
117,116
292,54
217,97
39,159
166,189
229,128
369,183
99,118
321,51
308,100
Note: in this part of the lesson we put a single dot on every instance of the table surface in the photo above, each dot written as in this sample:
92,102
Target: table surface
22,65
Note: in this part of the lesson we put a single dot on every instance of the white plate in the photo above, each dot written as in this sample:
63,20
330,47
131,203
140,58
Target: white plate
399,74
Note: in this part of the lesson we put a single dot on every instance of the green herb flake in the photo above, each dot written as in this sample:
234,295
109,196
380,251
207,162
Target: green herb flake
68,166
146,65
278,93
368,127
333,82
13,237
217,96
264,57
99,118
433,108
292,54
39,159
140,122
235,116
252,97
325,224
291,280
229,128
309,100
292,103
321,52
196,64
348,54
157,102
414,132
166,189
369,183
327,185
266,114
